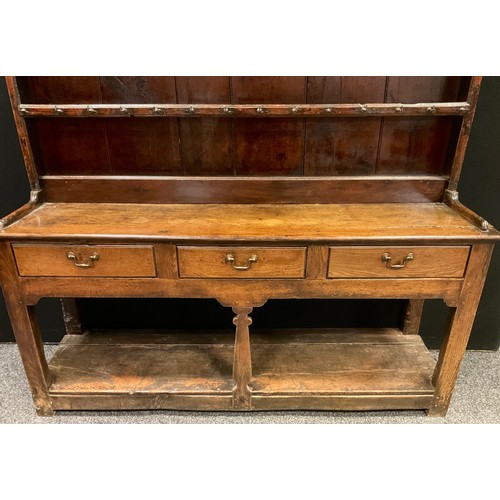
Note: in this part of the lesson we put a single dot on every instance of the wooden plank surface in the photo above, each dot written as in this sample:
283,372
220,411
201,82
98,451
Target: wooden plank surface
418,145
295,363
167,368
343,402
268,147
268,89
294,336
141,189
140,401
245,222
150,146
70,146
207,143
344,367
246,292
343,147
59,89
140,89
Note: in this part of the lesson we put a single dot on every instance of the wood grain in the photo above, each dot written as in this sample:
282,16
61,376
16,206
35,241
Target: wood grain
342,402
286,364
194,110
463,138
268,147
242,361
27,334
411,89
70,146
244,292
259,222
143,171
413,316
152,146
106,189
166,261
60,89
268,89
273,147
366,262
459,327
418,145
168,368
207,143
113,261
211,262
22,132
71,316
343,368
317,261
156,401
138,89
343,146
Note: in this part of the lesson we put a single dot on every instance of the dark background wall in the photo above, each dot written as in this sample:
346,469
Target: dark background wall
479,189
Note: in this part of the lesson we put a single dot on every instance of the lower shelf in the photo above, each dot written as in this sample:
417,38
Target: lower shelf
292,369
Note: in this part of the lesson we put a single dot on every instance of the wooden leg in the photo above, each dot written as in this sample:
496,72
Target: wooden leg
28,338
459,327
71,317
30,346
242,364
413,316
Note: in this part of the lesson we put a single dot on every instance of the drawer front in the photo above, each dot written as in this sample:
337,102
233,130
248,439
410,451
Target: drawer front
397,262
241,262
85,260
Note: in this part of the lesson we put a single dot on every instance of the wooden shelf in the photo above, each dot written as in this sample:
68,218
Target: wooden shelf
340,369
245,110
245,222
167,370
134,371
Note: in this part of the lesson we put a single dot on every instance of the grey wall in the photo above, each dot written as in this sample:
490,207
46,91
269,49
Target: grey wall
479,189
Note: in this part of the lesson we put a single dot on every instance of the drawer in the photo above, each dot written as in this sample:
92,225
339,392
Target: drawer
397,262
85,260
241,262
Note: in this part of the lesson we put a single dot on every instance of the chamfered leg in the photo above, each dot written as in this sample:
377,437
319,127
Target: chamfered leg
459,327
28,338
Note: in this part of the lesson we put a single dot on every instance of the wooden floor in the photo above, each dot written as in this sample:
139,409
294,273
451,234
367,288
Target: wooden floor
166,370
245,222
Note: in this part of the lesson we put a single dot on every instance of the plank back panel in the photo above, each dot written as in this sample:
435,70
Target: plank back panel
147,145
263,146
70,146
257,146
343,146
413,89
269,146
421,144
59,89
207,146
268,89
137,89
114,189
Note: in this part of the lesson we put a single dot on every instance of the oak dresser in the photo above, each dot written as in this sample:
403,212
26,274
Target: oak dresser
243,190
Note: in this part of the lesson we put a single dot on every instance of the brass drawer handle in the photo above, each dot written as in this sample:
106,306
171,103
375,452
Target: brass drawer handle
386,257
251,260
78,263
